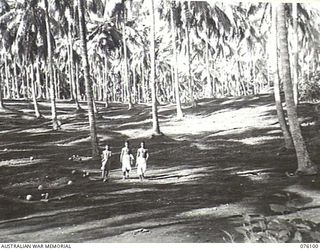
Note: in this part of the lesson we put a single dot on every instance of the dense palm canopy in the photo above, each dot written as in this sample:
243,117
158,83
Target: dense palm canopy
220,36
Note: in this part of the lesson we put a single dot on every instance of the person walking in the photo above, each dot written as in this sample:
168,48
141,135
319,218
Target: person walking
106,163
142,158
126,159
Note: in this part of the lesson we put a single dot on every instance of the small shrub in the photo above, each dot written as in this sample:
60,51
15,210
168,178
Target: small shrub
309,89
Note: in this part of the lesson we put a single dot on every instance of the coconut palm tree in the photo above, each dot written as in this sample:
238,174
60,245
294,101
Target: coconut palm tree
295,52
4,7
187,24
55,123
155,119
89,93
1,95
68,11
274,58
120,14
21,40
305,165
175,58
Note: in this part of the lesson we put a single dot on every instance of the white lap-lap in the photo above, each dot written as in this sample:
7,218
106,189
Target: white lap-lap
126,163
141,165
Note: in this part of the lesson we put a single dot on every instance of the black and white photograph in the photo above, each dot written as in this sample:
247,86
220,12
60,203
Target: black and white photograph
159,121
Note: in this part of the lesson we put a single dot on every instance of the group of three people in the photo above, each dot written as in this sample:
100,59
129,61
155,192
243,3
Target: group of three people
126,160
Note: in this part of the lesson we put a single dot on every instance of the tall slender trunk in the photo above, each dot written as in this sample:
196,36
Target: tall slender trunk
47,94
295,52
15,79
275,70
33,91
305,165
6,72
54,118
71,65
38,77
155,119
175,63
143,83
207,55
105,82
23,78
85,62
77,82
55,80
1,94
172,82
58,85
190,78
101,84
126,76
114,87
134,82
28,82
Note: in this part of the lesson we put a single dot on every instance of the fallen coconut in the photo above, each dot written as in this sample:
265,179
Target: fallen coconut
29,197
70,182
31,158
73,171
40,187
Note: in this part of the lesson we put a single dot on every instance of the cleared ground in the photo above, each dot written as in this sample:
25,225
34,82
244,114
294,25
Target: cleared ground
220,162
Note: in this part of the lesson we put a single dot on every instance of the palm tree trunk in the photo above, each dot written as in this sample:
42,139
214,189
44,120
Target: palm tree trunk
47,84
55,80
305,165
175,63
15,80
134,82
33,91
100,84
295,52
23,75
77,84
6,70
190,83
38,77
54,118
105,83
126,76
85,61
275,70
27,85
1,95
207,55
71,65
155,119
58,86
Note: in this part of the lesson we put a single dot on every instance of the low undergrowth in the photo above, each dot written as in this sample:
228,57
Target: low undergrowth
276,230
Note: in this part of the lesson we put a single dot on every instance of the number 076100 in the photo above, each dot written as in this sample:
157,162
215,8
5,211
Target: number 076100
309,245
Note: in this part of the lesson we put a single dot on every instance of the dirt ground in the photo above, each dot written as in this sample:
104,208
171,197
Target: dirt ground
222,161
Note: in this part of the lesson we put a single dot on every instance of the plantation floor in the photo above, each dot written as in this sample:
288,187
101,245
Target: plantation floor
220,162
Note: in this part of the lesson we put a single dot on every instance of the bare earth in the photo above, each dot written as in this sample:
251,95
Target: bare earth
220,162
